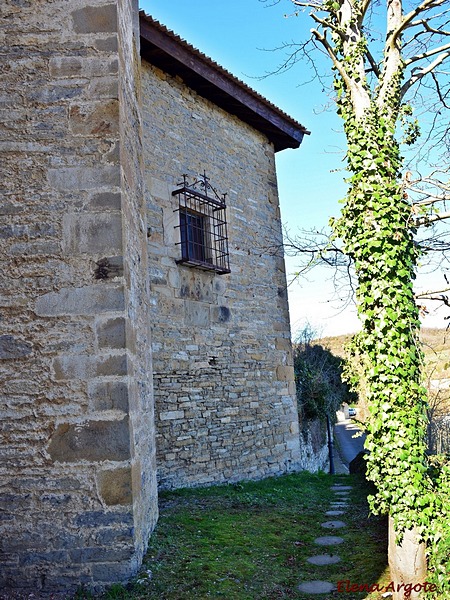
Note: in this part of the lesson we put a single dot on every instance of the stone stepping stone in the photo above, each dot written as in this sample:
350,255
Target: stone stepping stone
328,540
324,559
335,513
342,494
339,504
316,587
334,524
339,488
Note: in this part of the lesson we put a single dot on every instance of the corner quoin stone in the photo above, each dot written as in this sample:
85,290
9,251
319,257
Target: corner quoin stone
115,486
93,441
111,334
108,395
88,300
95,19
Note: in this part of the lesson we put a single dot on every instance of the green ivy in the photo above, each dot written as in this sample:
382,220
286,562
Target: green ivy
377,231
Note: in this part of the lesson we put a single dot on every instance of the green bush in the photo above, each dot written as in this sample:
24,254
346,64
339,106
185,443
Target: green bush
318,379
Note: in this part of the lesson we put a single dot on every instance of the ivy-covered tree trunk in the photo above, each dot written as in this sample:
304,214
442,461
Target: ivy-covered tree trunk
377,232
373,71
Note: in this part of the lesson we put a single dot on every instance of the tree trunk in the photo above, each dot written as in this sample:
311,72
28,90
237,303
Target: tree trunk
407,564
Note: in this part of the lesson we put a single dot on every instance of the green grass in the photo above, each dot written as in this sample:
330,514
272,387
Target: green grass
251,541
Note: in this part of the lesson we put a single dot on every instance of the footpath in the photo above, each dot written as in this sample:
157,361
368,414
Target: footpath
328,545
329,542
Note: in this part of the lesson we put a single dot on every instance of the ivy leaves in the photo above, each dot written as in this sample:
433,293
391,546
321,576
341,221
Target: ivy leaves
378,233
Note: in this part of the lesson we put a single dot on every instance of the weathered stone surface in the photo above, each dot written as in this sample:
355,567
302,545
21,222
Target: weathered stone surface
115,486
93,233
111,333
96,118
113,365
73,243
285,373
11,347
223,375
87,300
171,415
94,441
84,178
333,524
324,559
100,518
316,587
109,395
74,366
109,44
105,201
328,540
108,267
95,19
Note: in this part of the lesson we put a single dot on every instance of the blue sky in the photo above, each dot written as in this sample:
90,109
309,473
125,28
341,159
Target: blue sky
240,35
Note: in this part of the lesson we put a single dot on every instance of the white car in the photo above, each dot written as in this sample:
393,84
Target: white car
352,412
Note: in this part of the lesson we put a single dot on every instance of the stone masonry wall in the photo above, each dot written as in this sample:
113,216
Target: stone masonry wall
223,375
137,295
77,492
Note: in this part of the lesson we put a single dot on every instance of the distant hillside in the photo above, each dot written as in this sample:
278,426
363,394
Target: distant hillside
335,344
436,345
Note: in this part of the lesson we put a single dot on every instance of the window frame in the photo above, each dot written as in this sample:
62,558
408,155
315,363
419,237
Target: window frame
203,226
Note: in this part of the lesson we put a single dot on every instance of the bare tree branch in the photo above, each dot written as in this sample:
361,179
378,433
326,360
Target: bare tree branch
421,8
432,219
443,49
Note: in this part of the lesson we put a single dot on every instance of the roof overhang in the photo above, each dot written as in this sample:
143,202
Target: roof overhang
165,50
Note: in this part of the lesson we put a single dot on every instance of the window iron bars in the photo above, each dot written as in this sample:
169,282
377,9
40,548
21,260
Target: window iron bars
203,226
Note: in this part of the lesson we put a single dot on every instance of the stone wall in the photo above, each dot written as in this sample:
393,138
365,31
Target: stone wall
223,375
314,453
77,481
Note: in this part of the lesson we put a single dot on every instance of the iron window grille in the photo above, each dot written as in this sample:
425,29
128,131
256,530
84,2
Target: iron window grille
203,226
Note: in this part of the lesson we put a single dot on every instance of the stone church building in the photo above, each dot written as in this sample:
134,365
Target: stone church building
144,330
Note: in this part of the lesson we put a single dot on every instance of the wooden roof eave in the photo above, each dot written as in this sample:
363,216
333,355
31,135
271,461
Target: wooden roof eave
169,53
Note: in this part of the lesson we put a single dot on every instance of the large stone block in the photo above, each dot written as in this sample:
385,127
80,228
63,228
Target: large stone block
96,118
88,300
105,201
84,178
115,486
112,365
76,66
93,441
197,313
111,333
108,395
73,366
109,44
285,373
92,233
95,19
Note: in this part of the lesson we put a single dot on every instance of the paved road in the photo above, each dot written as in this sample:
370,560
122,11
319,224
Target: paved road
348,445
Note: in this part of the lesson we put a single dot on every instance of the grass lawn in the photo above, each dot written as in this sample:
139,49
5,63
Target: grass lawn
250,541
